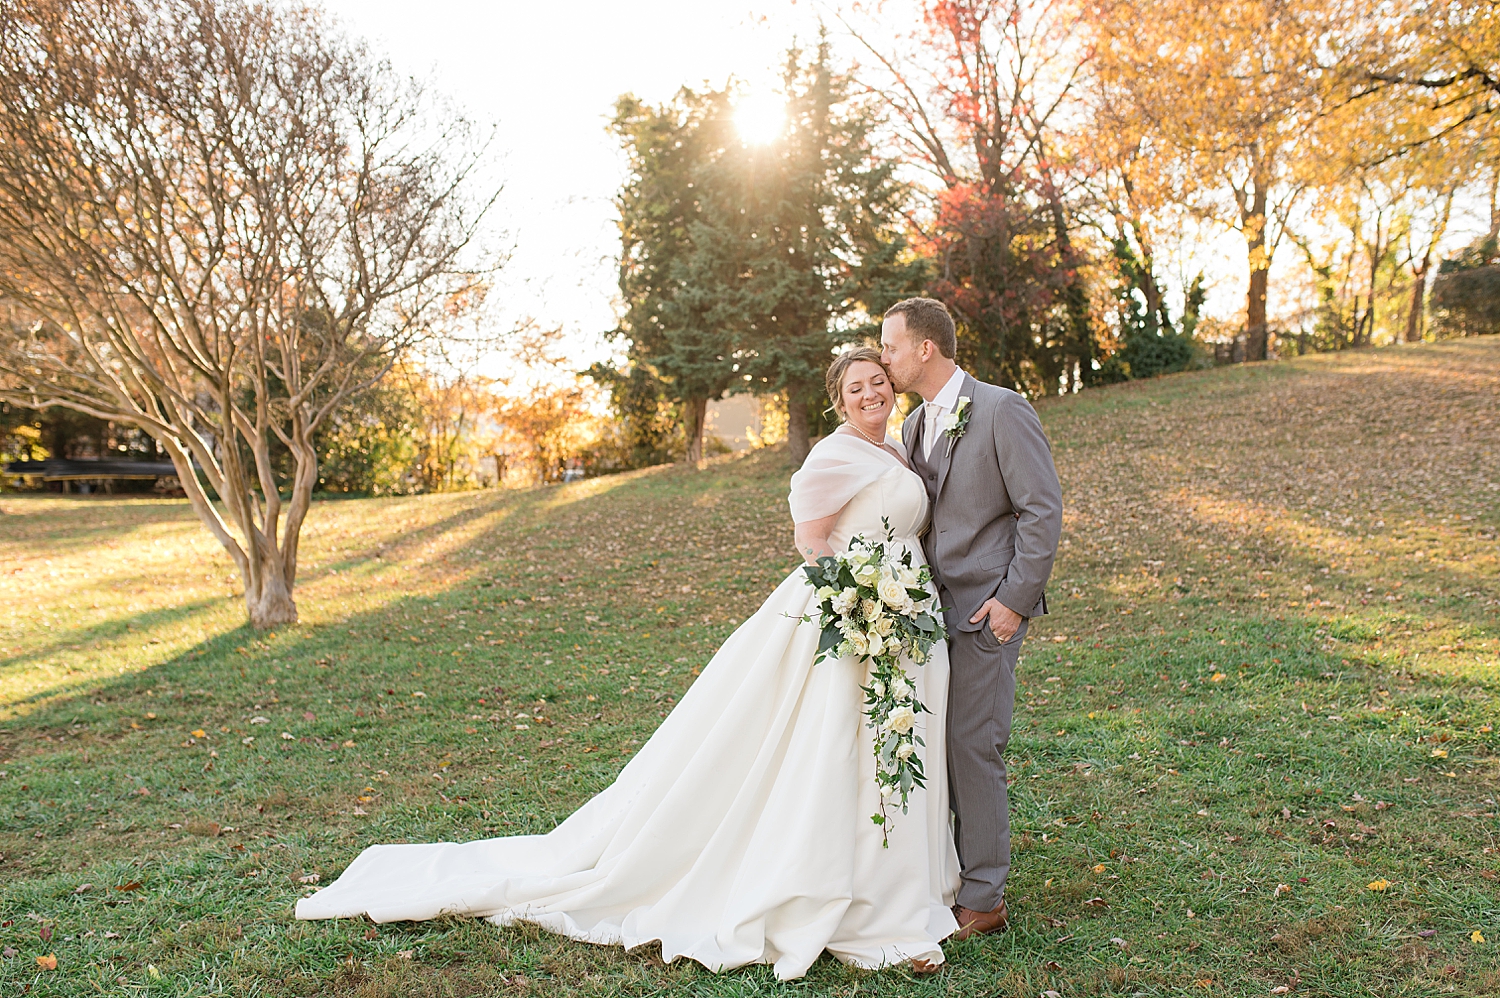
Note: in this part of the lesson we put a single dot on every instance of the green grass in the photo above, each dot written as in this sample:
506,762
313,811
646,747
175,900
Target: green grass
1270,681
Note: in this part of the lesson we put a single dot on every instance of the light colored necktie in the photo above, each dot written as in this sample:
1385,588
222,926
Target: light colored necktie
930,431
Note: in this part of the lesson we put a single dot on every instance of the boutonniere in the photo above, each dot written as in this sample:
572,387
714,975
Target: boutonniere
953,424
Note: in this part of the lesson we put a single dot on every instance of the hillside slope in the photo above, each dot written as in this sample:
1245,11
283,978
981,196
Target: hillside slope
1255,742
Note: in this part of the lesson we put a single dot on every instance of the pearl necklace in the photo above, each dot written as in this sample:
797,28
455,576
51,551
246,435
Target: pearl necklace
877,443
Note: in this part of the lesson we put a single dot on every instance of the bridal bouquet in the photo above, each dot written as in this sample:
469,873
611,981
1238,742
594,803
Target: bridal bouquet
875,605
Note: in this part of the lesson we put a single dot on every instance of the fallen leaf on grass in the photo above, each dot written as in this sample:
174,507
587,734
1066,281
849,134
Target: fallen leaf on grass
311,878
83,888
1378,885
1476,936
1438,753
1096,903
406,954
45,933
1426,933
1053,966
1099,868
134,885
111,935
1206,982
48,962
199,733
1280,989
9,952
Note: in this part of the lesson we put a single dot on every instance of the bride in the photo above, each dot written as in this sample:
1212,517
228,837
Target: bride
741,832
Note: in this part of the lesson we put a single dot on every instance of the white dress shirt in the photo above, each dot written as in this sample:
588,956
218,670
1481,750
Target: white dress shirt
942,403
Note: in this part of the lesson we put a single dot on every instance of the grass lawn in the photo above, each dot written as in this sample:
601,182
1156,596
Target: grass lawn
1254,744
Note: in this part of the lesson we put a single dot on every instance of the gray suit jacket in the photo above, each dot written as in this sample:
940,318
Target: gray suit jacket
997,515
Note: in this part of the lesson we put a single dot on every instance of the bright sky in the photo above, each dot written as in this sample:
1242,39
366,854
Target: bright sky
549,74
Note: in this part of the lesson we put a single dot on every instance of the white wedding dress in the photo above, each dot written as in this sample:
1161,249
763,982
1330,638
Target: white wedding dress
740,833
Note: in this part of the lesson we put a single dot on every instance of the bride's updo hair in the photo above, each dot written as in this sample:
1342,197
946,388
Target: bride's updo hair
840,365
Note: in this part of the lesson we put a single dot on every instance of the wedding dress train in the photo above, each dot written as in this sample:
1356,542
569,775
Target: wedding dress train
740,832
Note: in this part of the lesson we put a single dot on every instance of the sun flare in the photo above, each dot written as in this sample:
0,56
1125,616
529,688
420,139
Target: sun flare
760,118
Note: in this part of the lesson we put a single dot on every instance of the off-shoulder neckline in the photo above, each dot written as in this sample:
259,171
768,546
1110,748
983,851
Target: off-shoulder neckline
890,441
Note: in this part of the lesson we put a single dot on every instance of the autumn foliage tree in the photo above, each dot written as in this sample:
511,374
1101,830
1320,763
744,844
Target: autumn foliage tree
218,220
1234,93
980,90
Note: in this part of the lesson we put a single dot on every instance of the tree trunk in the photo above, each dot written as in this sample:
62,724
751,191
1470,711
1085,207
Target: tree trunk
1256,334
697,413
1075,294
1418,302
270,602
798,439
1414,318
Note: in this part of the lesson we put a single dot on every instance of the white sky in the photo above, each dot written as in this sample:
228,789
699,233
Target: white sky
548,75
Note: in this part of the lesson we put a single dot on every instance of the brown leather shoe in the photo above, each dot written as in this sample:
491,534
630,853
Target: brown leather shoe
924,968
976,923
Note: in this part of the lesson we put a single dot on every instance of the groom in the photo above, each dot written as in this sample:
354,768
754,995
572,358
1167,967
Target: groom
996,518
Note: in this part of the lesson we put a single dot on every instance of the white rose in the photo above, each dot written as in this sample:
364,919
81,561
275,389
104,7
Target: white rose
844,601
947,421
857,643
878,688
887,792
901,720
905,750
900,690
892,591
883,625
871,609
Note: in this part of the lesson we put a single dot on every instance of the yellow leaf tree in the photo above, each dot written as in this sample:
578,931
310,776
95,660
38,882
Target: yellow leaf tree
1233,94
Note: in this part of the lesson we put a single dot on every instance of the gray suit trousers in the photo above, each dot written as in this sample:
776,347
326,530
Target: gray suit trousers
981,699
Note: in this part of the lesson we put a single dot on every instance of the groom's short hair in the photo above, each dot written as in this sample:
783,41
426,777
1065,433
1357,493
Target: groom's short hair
928,319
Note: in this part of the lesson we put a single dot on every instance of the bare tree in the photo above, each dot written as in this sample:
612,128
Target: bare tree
218,219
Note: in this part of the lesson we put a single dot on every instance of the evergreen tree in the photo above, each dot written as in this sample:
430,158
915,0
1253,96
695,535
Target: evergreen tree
669,300
745,266
805,235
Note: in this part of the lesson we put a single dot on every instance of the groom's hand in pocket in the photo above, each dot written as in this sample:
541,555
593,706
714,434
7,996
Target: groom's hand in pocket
1003,622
